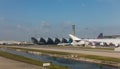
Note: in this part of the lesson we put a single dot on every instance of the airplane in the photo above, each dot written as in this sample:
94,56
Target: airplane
102,42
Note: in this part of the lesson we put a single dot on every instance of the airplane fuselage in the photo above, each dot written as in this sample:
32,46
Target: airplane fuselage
78,41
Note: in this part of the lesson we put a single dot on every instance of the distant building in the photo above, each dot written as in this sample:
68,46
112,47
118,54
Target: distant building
15,43
57,41
64,40
42,41
50,41
9,42
101,36
34,40
112,36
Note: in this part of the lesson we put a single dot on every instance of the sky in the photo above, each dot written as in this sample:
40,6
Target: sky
22,19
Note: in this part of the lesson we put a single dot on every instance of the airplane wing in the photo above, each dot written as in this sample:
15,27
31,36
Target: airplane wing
74,37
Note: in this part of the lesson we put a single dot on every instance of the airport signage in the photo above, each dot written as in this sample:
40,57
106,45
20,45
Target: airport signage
46,64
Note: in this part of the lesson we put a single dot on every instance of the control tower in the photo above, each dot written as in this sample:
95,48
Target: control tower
73,30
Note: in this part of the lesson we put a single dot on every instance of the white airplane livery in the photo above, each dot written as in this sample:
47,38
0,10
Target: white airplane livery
102,42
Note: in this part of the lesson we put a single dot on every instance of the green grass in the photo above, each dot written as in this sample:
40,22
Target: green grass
28,60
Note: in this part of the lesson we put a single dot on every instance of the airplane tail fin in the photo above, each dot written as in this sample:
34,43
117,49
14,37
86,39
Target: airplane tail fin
100,36
74,37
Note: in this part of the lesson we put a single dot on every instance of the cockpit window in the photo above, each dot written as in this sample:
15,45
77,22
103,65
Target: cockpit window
77,40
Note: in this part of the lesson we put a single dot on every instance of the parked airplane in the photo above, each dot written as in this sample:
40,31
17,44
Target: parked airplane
102,42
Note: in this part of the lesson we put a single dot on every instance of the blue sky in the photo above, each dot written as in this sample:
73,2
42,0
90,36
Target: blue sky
21,19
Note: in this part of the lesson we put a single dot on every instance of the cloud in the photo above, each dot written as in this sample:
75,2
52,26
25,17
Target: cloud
43,29
14,30
64,29
67,24
1,18
23,28
19,26
44,24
